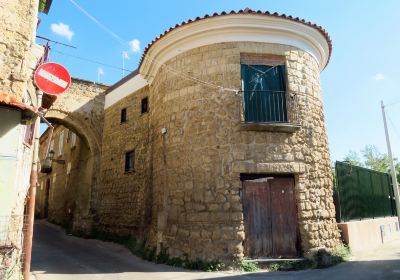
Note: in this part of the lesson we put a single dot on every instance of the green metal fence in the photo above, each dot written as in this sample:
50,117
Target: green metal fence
362,193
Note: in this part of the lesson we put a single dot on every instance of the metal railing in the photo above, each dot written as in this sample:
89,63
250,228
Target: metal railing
266,106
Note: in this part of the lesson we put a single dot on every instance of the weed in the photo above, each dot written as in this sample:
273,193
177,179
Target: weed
274,267
343,252
247,266
139,248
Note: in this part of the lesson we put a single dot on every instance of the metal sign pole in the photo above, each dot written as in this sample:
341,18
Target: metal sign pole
32,193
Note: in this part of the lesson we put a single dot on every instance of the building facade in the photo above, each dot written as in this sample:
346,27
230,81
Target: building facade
216,147
70,160
64,186
19,55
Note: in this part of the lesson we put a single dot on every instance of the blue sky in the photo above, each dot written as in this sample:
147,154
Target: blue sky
363,70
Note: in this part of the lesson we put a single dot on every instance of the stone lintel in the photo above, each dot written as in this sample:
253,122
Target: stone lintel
269,167
273,127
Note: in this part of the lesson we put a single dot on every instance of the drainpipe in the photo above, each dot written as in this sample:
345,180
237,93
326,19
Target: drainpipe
32,193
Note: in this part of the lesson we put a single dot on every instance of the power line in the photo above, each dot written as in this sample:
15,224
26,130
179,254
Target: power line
91,60
120,40
55,42
168,68
98,23
393,103
394,127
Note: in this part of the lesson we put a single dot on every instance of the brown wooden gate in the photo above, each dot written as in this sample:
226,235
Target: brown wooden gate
270,217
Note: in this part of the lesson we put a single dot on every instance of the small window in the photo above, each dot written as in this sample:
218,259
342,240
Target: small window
123,115
130,161
145,105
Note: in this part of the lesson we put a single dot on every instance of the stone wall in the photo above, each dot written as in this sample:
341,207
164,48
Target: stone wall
81,109
18,51
19,55
123,202
194,169
69,180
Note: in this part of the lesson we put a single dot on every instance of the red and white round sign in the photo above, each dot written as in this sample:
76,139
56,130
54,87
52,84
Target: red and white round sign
52,78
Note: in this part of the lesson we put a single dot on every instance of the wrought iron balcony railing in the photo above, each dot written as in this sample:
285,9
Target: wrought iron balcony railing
269,107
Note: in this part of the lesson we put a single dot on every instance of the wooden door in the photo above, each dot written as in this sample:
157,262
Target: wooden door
270,218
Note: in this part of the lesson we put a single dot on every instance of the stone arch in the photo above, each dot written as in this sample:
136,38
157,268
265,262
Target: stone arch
81,109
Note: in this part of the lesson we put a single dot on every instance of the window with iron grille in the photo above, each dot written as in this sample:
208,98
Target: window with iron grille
123,115
130,161
264,89
145,105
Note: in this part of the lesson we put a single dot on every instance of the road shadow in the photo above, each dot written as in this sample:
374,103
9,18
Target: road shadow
55,252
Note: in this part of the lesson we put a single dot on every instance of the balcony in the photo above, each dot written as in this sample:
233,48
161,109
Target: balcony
267,110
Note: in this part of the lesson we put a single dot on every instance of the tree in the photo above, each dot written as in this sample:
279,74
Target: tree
353,158
372,159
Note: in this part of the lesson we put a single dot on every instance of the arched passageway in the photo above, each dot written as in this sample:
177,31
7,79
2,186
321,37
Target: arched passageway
77,116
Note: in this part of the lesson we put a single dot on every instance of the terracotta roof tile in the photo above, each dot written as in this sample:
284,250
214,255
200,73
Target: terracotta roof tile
245,11
9,100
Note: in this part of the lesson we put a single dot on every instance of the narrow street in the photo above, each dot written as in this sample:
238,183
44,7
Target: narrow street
58,256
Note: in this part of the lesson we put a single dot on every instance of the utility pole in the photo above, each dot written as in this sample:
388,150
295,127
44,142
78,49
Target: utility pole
391,164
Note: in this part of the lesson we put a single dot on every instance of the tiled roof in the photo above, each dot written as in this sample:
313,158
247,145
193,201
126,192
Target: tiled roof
9,100
245,11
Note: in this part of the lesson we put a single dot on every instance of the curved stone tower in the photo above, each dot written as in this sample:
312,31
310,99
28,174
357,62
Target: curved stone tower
235,154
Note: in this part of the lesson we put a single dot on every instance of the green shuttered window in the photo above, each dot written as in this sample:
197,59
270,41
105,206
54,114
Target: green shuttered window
264,93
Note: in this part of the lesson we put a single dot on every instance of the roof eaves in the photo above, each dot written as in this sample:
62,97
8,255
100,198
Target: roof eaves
122,81
11,101
320,29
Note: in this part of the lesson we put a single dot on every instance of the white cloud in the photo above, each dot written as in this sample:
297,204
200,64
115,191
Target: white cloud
125,55
62,30
378,77
135,45
100,71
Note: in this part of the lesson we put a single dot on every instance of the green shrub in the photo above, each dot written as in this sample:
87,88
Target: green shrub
247,266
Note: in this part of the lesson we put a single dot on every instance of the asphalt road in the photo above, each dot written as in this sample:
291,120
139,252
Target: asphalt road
57,256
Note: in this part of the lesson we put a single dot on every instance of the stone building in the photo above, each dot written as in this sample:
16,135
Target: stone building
70,160
216,147
19,55
64,186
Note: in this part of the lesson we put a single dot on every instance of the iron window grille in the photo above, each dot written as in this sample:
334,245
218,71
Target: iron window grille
130,161
145,105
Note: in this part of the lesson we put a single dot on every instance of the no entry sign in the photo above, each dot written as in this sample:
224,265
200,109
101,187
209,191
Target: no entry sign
52,78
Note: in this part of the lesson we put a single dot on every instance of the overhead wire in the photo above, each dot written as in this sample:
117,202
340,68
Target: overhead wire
147,56
98,23
168,68
393,103
92,61
394,127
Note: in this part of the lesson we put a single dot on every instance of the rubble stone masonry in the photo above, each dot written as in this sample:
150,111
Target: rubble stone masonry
185,190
